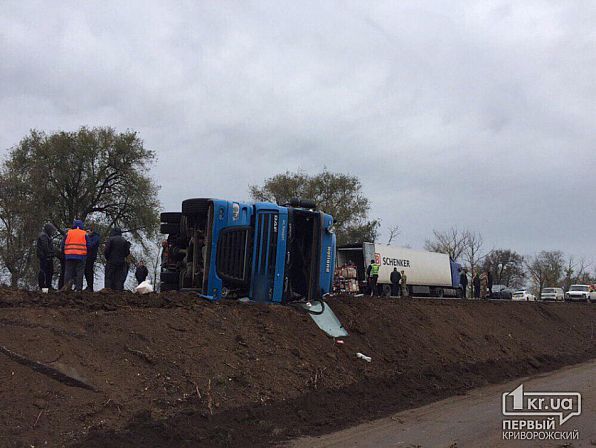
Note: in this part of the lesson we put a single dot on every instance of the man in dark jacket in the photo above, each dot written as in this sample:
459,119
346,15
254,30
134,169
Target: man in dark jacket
142,272
476,283
489,281
116,251
373,276
463,281
395,279
45,254
93,238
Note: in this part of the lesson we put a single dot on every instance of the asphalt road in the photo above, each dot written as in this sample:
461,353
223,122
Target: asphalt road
472,420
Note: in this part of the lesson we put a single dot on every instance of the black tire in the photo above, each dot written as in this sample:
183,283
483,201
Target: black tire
170,217
169,228
197,206
169,277
168,287
386,290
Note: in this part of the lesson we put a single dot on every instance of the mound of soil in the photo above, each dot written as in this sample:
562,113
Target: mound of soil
115,369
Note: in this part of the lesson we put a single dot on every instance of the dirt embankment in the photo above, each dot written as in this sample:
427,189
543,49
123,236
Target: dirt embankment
172,370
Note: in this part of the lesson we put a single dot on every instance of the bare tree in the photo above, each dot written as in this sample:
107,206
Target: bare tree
545,269
393,233
452,242
472,250
507,267
576,271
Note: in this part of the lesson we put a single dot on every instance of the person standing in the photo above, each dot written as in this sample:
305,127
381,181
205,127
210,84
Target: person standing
463,281
395,279
483,285
489,281
373,277
116,251
476,284
45,254
404,284
141,272
75,253
60,257
93,238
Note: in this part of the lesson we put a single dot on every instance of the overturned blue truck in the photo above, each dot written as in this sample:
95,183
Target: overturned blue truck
263,251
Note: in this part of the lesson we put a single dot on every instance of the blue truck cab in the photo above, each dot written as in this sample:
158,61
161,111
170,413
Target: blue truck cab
263,251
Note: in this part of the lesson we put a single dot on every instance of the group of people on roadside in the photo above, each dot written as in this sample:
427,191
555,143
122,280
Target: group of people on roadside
399,281
77,253
482,283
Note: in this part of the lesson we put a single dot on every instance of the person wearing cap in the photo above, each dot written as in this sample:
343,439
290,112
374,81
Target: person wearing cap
75,247
45,254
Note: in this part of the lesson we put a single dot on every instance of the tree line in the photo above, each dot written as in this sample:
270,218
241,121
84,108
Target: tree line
508,267
103,176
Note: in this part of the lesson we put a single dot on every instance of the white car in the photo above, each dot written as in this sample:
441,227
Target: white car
579,292
556,294
523,295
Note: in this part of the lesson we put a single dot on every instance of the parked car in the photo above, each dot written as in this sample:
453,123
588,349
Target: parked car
580,292
523,295
556,294
501,292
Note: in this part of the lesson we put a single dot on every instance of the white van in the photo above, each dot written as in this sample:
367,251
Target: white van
556,294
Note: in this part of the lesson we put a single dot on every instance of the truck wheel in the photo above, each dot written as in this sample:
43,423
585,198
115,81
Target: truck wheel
386,291
169,277
197,206
170,217
169,228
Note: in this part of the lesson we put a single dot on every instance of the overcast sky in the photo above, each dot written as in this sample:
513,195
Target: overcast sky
478,114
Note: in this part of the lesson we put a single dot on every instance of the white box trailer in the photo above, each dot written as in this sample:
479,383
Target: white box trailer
428,273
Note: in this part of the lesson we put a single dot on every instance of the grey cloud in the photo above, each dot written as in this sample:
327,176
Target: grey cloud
475,114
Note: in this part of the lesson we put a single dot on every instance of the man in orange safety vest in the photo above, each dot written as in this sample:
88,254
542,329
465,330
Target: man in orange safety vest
75,247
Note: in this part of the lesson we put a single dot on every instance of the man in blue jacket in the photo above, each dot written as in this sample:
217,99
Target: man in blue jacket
93,239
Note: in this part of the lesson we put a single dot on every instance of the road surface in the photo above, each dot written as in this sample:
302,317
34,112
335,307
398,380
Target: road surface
472,420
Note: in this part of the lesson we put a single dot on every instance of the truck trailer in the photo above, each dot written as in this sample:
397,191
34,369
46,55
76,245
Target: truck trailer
428,273
263,251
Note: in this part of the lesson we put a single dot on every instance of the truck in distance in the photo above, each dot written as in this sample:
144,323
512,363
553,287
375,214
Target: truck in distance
263,251
428,273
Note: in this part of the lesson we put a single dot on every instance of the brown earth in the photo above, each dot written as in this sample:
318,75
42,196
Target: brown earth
172,370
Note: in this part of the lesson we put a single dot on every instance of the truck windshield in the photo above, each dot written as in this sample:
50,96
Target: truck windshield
304,248
578,288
